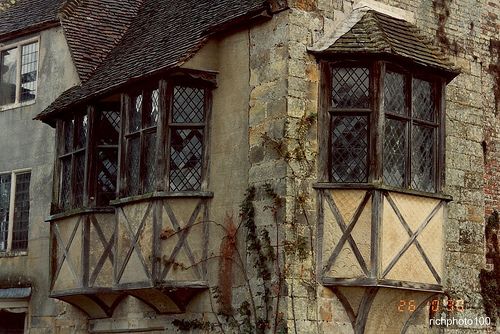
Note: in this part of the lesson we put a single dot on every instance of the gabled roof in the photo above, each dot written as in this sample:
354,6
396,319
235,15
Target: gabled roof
371,32
26,15
94,27
163,34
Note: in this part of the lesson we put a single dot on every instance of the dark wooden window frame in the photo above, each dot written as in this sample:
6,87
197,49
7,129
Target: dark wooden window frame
194,79
377,118
90,149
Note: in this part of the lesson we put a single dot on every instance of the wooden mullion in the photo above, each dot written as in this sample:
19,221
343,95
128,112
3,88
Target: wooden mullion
324,124
409,126
161,138
122,187
425,123
376,132
441,148
398,117
169,90
56,177
352,110
206,139
89,195
190,125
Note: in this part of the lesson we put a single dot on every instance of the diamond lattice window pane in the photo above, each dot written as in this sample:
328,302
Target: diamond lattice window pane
423,100
422,166
185,159
135,114
21,212
5,184
133,154
151,117
188,105
394,152
109,127
107,171
79,178
349,149
394,93
150,156
351,87
65,191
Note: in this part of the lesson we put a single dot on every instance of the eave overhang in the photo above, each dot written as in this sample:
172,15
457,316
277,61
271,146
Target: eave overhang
370,34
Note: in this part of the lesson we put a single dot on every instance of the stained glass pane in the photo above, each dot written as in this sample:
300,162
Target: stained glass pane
152,116
394,152
81,131
394,93
135,114
351,87
79,178
150,156
21,212
133,173
349,149
423,100
5,183
185,159
8,73
422,166
65,196
68,135
29,67
188,105
109,127
107,171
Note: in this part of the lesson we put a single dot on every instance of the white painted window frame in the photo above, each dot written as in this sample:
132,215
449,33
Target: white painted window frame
12,202
19,66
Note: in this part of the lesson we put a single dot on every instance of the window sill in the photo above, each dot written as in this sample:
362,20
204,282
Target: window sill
16,105
15,253
161,194
366,186
79,211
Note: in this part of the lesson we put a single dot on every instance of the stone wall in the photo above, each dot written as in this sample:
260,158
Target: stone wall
466,31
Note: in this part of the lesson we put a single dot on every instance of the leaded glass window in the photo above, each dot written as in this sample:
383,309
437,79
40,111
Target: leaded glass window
108,133
409,156
72,161
141,142
14,193
349,149
350,114
18,73
186,129
400,103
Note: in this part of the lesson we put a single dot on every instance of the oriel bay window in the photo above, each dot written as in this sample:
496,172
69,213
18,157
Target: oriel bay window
386,125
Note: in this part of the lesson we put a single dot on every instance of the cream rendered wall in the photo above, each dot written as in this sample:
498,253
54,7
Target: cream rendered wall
25,143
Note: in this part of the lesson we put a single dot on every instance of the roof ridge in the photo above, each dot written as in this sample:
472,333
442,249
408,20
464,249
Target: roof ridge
382,31
67,8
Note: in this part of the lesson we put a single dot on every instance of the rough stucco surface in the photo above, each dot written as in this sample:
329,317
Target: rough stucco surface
25,143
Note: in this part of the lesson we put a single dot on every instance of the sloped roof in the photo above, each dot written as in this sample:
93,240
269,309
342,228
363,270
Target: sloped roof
93,27
27,14
164,34
376,33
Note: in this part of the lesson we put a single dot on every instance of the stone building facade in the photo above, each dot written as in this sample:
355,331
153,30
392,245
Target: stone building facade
228,166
